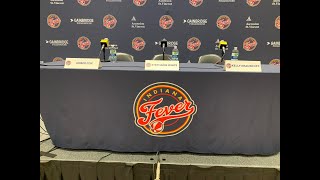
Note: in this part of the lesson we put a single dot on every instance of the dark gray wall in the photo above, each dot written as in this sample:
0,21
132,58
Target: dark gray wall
265,13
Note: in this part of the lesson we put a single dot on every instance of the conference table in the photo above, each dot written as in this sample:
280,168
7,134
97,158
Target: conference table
201,108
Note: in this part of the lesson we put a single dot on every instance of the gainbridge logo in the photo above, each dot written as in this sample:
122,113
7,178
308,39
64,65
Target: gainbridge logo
84,2
163,109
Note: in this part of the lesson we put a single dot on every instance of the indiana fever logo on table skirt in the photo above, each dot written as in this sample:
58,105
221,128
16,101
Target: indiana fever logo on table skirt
163,109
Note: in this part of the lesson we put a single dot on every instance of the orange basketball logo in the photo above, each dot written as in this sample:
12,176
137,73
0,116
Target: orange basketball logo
163,109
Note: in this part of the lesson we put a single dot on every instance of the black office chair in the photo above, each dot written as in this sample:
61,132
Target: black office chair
124,57
210,58
160,57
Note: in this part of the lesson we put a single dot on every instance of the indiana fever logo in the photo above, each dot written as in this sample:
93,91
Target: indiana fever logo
196,3
84,2
193,44
57,59
250,44
109,21
253,3
139,2
138,44
53,21
166,22
277,22
163,109
275,62
223,22
83,43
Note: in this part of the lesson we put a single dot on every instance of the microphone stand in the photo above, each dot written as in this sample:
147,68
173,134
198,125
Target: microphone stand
163,51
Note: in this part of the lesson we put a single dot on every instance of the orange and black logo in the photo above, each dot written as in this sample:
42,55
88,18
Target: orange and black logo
196,3
57,59
53,21
138,44
277,22
253,3
193,44
163,109
275,62
83,43
166,22
139,2
223,22
250,44
109,21
84,2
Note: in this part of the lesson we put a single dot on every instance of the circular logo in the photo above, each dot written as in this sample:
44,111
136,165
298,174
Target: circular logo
57,59
163,109
109,21
193,44
196,3
53,21
275,62
138,44
166,22
250,44
253,3
223,22
84,2
228,65
277,22
83,43
68,63
139,2
148,64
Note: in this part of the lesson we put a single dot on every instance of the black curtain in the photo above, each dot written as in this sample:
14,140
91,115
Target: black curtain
67,170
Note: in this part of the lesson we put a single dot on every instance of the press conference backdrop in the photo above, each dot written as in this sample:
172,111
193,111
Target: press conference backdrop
73,28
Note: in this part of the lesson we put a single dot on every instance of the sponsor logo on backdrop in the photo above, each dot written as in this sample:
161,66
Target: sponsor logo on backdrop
137,25
57,42
276,2
250,44
113,0
277,22
109,21
170,43
139,2
57,2
195,3
193,44
226,1
81,21
84,2
217,45
274,44
138,44
223,22
53,21
253,3
196,22
83,43
163,109
275,62
165,2
166,22
251,25
57,59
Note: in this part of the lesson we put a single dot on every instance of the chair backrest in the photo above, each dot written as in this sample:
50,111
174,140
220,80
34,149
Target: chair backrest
209,58
160,57
124,57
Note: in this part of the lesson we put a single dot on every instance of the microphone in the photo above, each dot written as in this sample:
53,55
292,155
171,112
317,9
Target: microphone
105,43
223,45
163,44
